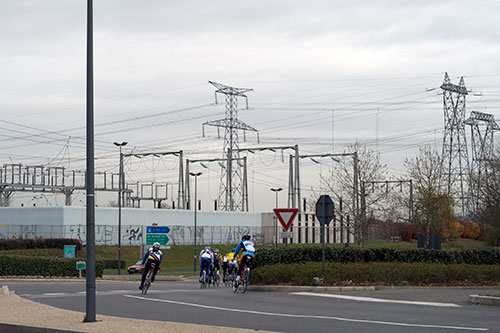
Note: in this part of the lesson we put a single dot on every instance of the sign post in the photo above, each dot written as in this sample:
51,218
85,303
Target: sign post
80,266
324,213
286,217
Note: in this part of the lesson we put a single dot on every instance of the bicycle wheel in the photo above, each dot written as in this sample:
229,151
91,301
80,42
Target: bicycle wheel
246,279
146,287
147,283
203,283
235,286
217,279
231,278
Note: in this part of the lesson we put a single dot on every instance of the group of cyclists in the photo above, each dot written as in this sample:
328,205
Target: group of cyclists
210,261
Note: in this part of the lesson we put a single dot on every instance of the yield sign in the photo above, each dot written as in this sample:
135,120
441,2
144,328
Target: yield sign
286,216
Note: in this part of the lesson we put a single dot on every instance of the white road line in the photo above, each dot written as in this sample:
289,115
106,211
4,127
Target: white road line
378,300
309,316
54,294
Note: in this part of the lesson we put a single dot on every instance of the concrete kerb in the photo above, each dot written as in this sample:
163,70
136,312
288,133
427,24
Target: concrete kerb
16,328
484,300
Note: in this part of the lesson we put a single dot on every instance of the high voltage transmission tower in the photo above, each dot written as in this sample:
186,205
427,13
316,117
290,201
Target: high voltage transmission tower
483,125
455,162
231,184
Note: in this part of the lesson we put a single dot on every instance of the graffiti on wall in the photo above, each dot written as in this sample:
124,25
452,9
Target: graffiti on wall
131,235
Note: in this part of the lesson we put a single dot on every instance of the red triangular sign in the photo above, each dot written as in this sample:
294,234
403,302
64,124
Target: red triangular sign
286,216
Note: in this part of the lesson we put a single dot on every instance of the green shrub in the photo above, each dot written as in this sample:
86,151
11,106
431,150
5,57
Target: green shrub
38,243
379,273
42,266
301,254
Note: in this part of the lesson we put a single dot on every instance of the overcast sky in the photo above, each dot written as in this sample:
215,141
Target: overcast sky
324,74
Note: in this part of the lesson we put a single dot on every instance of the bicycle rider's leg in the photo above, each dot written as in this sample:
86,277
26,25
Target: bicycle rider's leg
157,267
145,271
202,267
240,267
224,271
207,270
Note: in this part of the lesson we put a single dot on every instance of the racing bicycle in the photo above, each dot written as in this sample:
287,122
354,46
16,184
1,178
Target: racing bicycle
147,283
245,279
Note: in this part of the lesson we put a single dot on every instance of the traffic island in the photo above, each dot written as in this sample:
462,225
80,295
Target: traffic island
484,300
289,289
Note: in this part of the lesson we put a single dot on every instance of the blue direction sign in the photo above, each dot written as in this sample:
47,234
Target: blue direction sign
157,230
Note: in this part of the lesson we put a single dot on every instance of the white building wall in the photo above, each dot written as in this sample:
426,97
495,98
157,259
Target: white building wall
70,222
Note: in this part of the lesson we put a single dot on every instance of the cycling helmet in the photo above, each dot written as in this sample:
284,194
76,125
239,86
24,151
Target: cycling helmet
216,251
245,237
207,248
156,246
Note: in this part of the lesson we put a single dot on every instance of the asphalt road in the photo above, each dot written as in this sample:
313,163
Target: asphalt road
386,310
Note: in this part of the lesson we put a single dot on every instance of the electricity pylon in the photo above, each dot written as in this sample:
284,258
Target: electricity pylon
454,159
231,189
483,125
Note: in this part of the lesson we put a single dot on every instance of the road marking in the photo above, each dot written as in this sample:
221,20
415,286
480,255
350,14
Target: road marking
54,294
378,300
309,316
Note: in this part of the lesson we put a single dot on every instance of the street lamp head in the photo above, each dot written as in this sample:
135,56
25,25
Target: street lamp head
276,189
120,144
195,174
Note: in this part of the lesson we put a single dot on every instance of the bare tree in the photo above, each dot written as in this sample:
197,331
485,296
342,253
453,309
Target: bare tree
490,202
357,202
432,210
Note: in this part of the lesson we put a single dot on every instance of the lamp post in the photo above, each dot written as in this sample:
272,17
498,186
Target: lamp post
120,185
276,190
90,310
195,175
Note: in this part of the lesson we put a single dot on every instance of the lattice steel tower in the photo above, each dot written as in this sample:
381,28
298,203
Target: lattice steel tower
455,170
483,125
231,189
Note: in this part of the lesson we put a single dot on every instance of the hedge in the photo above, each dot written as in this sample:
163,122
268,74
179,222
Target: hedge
379,273
42,266
301,254
38,243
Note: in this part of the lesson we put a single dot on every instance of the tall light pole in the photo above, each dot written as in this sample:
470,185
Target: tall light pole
276,190
120,187
90,310
195,175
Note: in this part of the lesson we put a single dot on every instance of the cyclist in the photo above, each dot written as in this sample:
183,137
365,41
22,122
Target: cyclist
206,259
216,263
154,255
248,248
229,264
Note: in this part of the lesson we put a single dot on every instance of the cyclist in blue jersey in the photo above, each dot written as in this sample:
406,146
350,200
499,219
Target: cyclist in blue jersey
206,259
248,248
154,255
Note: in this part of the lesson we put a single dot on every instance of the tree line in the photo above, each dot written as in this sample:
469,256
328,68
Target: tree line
414,198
